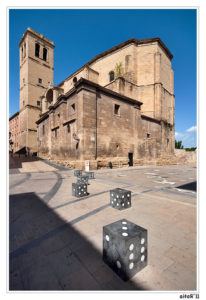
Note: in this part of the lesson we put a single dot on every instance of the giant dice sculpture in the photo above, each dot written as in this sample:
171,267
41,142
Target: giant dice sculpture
79,189
90,175
125,248
120,198
82,179
77,173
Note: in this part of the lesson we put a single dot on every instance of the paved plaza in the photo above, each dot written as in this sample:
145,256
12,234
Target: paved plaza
56,238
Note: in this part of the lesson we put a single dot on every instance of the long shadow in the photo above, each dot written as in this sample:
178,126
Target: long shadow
192,186
16,160
47,253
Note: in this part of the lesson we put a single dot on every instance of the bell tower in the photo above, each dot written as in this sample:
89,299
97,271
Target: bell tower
36,75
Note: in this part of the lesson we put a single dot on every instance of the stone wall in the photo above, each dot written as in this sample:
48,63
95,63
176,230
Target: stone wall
188,157
14,131
107,127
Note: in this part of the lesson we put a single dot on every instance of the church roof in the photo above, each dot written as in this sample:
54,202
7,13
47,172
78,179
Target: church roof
130,41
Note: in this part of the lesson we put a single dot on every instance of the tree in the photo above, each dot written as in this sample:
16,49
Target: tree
178,145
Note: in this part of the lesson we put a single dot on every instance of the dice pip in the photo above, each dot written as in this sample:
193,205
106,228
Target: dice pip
120,198
77,173
125,248
79,189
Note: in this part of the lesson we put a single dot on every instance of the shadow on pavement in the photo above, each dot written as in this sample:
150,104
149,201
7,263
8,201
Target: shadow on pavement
192,186
16,160
46,253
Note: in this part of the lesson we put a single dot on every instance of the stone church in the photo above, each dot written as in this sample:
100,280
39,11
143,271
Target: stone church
118,107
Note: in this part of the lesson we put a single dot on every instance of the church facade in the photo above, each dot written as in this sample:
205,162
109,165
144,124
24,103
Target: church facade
118,107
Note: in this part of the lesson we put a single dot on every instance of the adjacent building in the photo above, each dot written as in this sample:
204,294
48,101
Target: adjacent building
14,132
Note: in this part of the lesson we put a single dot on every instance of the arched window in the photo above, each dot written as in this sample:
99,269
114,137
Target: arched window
111,76
37,48
44,54
49,97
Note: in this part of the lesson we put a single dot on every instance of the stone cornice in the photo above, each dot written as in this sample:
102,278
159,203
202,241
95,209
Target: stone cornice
13,116
43,117
29,106
37,35
151,119
82,83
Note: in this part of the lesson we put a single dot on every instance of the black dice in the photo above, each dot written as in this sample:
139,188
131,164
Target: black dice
77,173
120,198
79,189
90,175
82,179
125,248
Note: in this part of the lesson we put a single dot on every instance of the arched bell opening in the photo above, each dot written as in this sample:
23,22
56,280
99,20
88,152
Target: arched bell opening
49,97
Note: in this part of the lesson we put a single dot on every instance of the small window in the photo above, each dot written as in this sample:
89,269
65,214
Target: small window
40,80
58,115
73,107
38,103
55,133
117,109
148,135
37,48
111,76
43,129
68,128
74,79
44,54
22,53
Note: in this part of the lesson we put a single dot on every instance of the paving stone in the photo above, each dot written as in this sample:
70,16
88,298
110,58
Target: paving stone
16,282
40,277
182,257
169,218
64,262
181,276
152,279
80,280
158,260
52,244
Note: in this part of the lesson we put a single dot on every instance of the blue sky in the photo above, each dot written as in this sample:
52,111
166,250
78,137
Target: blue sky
81,34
